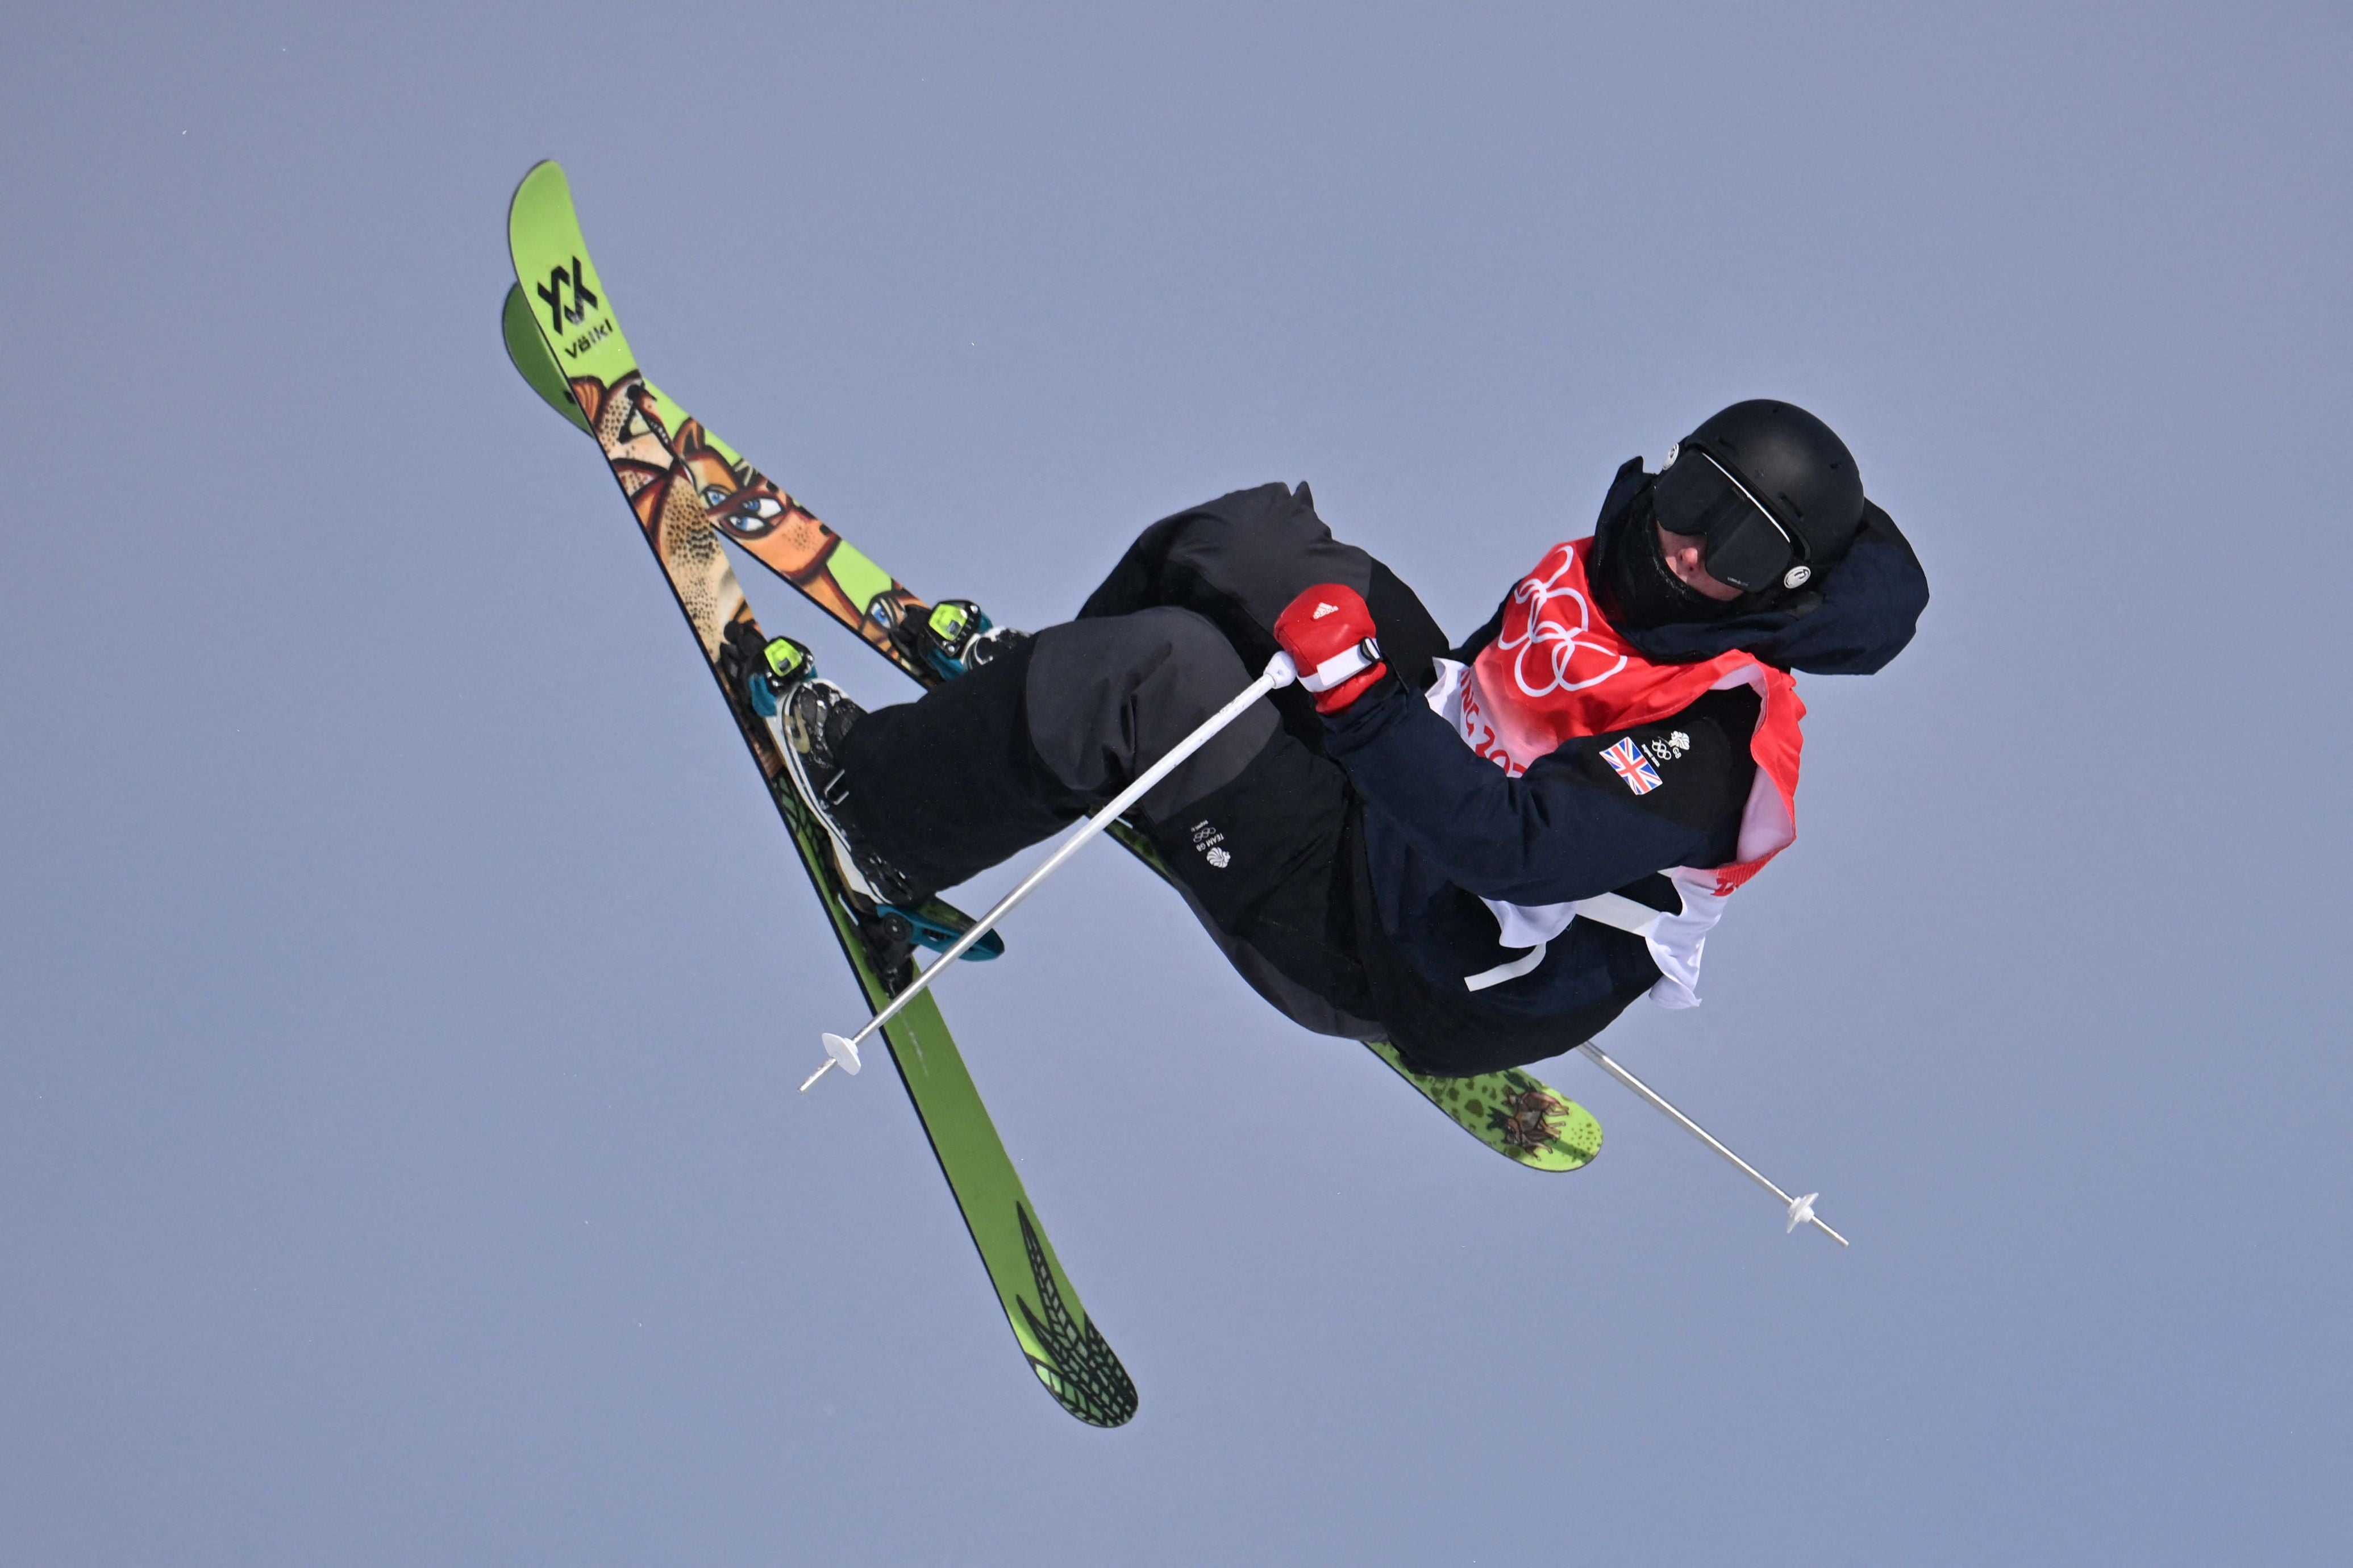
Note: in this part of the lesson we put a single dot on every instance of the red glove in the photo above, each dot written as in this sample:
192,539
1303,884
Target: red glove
1328,633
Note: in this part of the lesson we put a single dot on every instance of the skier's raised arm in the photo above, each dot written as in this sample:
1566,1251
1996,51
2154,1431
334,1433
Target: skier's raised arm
1570,827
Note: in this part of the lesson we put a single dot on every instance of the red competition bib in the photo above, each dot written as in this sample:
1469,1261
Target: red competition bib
1557,670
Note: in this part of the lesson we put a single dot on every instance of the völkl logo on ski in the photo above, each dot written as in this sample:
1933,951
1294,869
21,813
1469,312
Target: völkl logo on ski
560,282
572,280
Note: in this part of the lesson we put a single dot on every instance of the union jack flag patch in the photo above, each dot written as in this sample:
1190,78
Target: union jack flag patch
1642,775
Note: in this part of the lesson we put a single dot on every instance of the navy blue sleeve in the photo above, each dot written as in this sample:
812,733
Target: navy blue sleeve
1571,827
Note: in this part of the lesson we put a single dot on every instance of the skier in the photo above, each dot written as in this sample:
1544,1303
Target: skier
1483,855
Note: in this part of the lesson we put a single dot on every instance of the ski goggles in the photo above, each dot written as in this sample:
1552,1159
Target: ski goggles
1744,544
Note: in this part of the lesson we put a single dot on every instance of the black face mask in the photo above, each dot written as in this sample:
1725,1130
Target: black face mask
1634,587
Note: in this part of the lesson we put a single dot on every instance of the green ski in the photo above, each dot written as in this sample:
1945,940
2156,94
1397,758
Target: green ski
1514,1112
635,425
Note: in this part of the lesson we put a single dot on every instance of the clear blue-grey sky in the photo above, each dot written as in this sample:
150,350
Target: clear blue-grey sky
403,979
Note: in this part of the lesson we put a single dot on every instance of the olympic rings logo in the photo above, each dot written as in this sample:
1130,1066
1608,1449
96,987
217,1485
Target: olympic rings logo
1546,635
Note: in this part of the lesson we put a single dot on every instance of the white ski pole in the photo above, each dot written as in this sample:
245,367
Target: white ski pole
843,1053
1801,1210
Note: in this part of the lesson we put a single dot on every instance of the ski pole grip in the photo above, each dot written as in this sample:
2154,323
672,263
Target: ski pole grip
1344,666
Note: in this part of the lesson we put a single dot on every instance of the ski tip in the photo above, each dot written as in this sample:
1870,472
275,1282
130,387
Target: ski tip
539,173
527,352
542,191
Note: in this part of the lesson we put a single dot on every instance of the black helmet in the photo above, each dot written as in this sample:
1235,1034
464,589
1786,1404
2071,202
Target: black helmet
1772,491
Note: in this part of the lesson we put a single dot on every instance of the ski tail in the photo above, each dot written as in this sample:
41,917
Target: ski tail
1514,1112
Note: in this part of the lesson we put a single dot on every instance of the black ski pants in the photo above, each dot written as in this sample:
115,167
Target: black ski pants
1257,828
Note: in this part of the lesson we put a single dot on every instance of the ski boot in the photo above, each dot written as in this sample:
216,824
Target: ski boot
950,638
809,718
769,669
